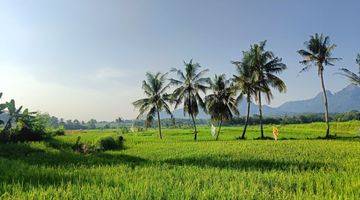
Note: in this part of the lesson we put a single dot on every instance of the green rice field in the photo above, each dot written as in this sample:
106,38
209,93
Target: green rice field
298,166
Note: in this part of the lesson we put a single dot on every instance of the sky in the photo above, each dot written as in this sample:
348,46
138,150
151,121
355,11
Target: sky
86,59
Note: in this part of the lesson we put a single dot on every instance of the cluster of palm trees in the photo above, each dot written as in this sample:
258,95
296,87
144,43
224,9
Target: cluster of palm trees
256,76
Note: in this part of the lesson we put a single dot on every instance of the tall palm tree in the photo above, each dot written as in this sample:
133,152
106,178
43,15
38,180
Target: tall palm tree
318,53
266,67
222,103
189,85
353,77
245,83
157,99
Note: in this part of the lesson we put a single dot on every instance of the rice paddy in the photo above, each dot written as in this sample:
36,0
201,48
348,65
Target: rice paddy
298,166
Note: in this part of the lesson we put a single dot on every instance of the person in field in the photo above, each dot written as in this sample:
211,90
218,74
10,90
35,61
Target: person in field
275,133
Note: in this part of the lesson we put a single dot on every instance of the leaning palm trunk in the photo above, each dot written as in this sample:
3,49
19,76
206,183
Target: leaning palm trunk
326,104
247,118
194,123
260,116
159,124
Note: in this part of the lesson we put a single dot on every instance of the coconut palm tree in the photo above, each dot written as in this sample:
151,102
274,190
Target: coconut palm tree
245,83
157,99
222,103
190,84
318,53
353,77
266,66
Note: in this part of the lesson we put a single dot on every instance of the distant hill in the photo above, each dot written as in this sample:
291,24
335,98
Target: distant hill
343,101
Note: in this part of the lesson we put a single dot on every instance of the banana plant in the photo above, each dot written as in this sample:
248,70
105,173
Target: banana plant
26,118
2,108
14,114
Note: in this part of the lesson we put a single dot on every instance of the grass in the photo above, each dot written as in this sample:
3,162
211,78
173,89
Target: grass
299,166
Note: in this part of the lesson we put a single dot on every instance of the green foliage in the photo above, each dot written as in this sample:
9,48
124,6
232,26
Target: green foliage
222,103
353,77
58,131
14,114
23,125
318,53
2,108
83,148
109,143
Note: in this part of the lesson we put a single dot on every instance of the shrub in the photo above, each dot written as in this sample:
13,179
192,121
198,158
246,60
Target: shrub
109,143
80,147
58,131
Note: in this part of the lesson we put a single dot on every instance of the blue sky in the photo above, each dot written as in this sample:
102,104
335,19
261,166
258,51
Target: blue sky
86,59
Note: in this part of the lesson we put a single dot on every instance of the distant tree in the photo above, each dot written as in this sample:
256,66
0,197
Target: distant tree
118,120
107,126
353,77
266,66
157,99
92,124
245,83
318,53
222,103
189,85
76,123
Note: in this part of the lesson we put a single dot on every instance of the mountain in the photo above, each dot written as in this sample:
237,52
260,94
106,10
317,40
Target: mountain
345,100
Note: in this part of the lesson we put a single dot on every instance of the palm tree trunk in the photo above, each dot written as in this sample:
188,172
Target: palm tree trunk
159,124
194,123
217,135
260,115
247,118
326,104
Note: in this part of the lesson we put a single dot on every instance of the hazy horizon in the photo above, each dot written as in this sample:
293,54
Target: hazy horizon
86,59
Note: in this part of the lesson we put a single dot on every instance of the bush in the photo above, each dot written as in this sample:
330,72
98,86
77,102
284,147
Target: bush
109,143
80,147
58,131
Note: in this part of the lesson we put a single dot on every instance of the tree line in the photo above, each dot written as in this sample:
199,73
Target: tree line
253,120
256,77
